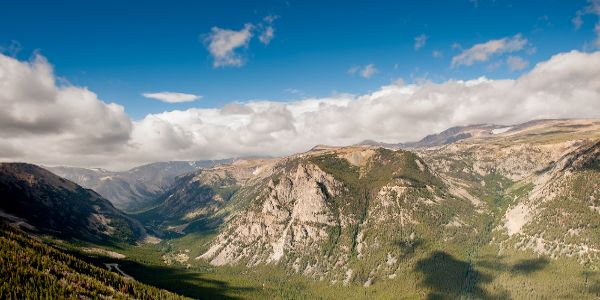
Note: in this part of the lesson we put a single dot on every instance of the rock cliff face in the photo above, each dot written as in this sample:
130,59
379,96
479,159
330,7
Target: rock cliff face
560,216
291,214
363,214
342,214
544,180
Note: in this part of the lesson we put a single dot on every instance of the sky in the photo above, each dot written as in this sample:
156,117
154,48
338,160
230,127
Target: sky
120,83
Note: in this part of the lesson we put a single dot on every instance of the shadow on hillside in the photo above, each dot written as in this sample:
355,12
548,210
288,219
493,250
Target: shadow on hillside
527,266
448,277
408,247
592,283
181,281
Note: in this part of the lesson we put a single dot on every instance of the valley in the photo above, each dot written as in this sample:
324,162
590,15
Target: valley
480,212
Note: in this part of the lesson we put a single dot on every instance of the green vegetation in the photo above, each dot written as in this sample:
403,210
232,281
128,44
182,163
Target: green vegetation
30,269
423,274
398,226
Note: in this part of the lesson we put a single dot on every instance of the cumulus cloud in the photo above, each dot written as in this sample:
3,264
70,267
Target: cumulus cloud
482,52
420,41
170,97
46,125
366,72
43,122
516,63
567,85
223,43
437,54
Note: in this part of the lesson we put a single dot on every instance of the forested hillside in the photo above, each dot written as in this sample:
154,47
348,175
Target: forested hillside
30,269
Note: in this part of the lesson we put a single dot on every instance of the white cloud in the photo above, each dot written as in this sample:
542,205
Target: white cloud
366,72
516,63
171,97
437,54
420,41
42,123
223,43
267,35
268,31
593,8
482,52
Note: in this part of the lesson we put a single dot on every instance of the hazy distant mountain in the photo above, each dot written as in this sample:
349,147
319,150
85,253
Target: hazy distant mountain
450,135
43,202
136,188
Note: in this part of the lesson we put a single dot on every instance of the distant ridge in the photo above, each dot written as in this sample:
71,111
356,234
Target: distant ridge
41,201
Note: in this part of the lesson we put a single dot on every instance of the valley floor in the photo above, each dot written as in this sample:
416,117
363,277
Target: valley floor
433,275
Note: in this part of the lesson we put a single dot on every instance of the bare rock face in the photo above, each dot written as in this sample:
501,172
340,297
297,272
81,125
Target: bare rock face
559,216
362,214
340,214
291,215
545,174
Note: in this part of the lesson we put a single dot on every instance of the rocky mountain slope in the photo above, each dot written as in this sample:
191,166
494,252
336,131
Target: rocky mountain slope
343,214
134,189
363,214
203,197
560,215
40,201
501,212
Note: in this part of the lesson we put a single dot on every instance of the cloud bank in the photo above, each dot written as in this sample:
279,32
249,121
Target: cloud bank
42,122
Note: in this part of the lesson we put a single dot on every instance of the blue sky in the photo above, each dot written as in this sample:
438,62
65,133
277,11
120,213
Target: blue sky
121,49
116,84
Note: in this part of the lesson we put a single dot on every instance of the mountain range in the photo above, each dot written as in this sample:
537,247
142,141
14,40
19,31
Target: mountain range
136,188
481,211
